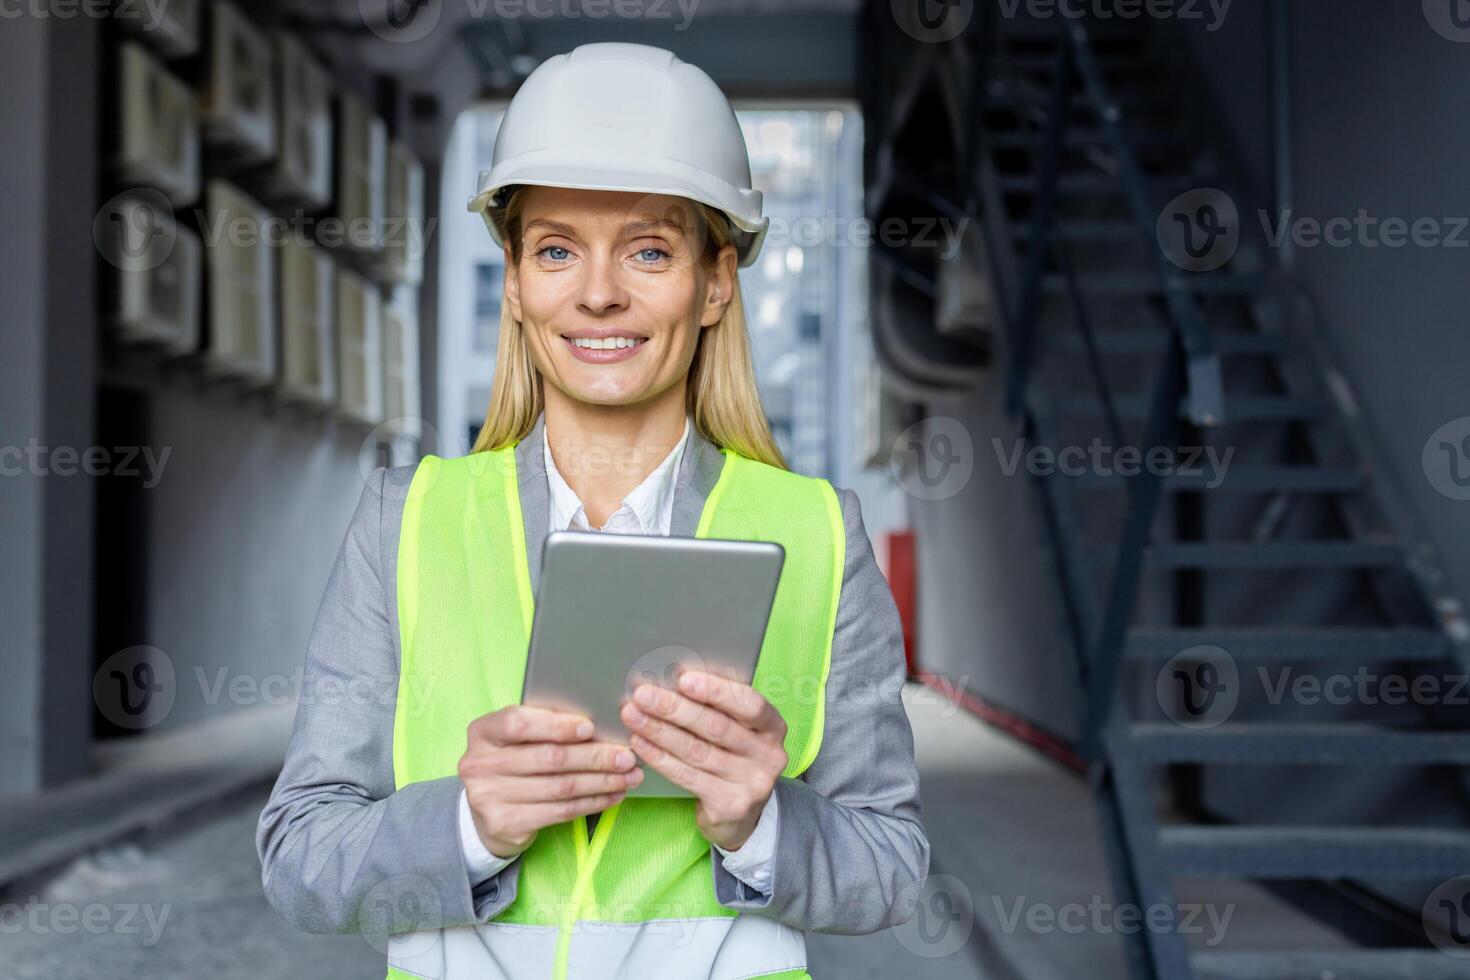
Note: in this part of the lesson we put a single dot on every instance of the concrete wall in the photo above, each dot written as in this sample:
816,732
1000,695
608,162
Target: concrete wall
1377,107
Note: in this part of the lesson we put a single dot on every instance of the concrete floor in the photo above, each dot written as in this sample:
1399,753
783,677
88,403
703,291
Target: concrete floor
1009,831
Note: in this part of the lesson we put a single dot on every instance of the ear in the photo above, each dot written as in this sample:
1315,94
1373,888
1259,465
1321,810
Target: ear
512,286
720,288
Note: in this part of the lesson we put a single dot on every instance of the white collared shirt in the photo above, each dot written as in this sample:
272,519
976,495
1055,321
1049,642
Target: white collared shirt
648,509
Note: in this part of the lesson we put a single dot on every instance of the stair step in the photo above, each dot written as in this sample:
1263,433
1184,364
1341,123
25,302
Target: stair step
1145,284
1238,408
1111,230
1152,342
1301,745
1087,183
1077,137
1291,644
1344,964
1259,852
1275,555
1244,479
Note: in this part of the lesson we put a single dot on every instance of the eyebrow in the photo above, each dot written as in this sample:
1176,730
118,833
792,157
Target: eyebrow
632,228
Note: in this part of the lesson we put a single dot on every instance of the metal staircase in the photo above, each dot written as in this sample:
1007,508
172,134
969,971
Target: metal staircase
1188,593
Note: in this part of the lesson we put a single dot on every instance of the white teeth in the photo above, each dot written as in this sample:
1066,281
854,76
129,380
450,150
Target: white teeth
606,343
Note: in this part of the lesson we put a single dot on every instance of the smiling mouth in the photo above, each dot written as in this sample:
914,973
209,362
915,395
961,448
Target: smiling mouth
605,343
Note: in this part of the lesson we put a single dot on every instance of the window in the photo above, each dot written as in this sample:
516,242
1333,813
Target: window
489,283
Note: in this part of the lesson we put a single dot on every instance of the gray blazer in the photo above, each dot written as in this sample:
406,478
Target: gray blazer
337,842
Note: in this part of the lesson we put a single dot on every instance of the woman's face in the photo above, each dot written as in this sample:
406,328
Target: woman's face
612,292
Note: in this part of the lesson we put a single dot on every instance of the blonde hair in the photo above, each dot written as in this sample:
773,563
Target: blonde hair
722,396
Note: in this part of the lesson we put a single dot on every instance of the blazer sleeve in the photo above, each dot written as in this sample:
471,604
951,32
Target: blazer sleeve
851,850
340,849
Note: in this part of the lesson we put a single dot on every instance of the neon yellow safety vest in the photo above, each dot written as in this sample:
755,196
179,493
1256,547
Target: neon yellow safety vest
465,613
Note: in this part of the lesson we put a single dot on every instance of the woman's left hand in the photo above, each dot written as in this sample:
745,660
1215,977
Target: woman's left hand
717,738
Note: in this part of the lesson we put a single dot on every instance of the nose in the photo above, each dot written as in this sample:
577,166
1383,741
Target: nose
602,290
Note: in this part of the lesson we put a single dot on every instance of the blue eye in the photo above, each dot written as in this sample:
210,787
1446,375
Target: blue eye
652,254
556,253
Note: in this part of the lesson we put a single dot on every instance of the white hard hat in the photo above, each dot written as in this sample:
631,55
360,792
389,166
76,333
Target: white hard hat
626,117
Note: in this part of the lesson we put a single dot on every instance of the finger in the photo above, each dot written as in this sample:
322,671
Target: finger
555,757
528,817
740,701
527,723
709,722
567,786
702,784
683,744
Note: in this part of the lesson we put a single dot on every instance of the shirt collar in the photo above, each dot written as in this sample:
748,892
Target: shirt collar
650,504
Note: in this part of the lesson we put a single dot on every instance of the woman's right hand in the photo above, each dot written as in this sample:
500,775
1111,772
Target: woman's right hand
525,768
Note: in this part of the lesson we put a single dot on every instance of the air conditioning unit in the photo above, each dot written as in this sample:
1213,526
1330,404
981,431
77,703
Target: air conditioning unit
157,298
238,111
302,173
362,150
308,295
401,405
360,348
158,135
404,235
171,27
242,281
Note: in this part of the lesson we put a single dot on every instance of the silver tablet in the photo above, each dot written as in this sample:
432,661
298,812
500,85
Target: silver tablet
616,610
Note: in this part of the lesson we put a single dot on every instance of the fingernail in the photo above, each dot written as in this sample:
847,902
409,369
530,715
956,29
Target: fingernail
623,759
584,729
634,777
689,682
645,695
633,715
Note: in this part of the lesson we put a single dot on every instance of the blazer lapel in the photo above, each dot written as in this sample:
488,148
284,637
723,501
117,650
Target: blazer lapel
698,472
535,495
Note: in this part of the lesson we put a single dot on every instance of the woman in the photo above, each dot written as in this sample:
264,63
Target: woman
492,838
